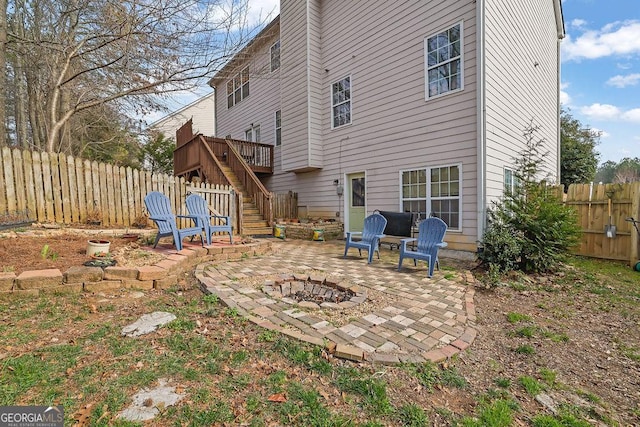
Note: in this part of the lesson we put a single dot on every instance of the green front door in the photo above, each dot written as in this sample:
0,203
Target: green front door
356,201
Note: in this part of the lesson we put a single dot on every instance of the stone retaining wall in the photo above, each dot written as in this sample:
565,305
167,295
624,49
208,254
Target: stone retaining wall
304,231
162,275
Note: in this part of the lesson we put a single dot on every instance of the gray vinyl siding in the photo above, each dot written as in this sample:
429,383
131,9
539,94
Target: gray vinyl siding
200,111
381,46
263,101
518,36
295,86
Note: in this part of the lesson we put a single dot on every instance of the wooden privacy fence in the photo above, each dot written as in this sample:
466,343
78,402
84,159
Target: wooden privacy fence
285,205
601,205
63,189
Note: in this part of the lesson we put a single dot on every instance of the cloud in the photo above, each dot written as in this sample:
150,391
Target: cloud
614,39
578,23
243,15
632,115
603,133
624,81
610,112
601,111
565,99
262,10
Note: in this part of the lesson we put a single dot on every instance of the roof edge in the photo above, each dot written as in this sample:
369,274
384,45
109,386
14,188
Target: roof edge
220,75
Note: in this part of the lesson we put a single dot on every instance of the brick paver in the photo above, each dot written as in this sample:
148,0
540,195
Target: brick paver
426,319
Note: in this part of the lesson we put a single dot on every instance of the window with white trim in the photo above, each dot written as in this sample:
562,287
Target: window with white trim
341,102
275,56
252,134
511,181
238,88
444,63
278,128
433,192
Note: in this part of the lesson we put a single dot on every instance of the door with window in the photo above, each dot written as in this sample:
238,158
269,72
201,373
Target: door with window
356,201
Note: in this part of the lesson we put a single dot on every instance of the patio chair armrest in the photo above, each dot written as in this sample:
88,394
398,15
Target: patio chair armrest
187,216
159,218
404,242
380,236
442,245
225,217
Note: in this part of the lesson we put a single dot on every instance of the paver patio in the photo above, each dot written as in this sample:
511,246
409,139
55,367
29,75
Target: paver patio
426,319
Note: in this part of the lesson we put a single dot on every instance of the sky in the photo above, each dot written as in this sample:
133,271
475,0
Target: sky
600,72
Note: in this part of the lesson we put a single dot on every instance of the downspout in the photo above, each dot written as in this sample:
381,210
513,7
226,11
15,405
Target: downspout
481,152
557,9
215,111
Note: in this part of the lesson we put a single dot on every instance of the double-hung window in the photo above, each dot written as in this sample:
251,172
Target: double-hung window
444,62
278,128
511,181
275,56
341,102
433,192
238,88
252,134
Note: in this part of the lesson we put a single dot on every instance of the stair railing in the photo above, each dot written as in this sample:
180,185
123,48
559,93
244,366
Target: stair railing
254,188
220,171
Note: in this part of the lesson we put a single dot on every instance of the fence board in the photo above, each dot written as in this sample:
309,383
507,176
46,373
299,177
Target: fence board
80,191
73,189
18,176
64,187
117,189
39,187
3,195
10,188
48,188
30,185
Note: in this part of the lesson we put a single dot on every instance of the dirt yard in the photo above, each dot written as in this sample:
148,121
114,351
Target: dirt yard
44,249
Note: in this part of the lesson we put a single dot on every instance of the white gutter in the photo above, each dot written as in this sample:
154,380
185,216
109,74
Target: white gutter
481,152
557,8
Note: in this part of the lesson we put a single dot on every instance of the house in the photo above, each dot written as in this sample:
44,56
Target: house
201,112
416,106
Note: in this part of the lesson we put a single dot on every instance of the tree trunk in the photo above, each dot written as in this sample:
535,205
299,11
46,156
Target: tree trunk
3,72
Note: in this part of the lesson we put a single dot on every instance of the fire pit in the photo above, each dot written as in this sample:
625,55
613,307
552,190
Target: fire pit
314,292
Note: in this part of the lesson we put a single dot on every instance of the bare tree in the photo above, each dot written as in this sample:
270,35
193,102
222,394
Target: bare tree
76,55
3,66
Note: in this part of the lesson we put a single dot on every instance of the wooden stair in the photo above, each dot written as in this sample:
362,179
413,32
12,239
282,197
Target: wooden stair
253,222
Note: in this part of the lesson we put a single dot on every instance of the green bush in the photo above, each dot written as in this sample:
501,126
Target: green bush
529,229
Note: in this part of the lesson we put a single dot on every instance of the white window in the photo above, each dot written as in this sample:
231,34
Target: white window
511,181
252,134
444,64
341,102
238,88
278,128
275,56
433,192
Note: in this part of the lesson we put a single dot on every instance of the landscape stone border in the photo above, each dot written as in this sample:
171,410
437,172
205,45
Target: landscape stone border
162,275
282,287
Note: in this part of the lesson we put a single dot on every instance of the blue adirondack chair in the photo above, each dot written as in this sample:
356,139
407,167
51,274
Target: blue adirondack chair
159,208
197,207
430,239
373,230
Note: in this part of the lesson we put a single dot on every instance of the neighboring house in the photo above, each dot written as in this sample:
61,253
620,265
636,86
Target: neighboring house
201,111
401,106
